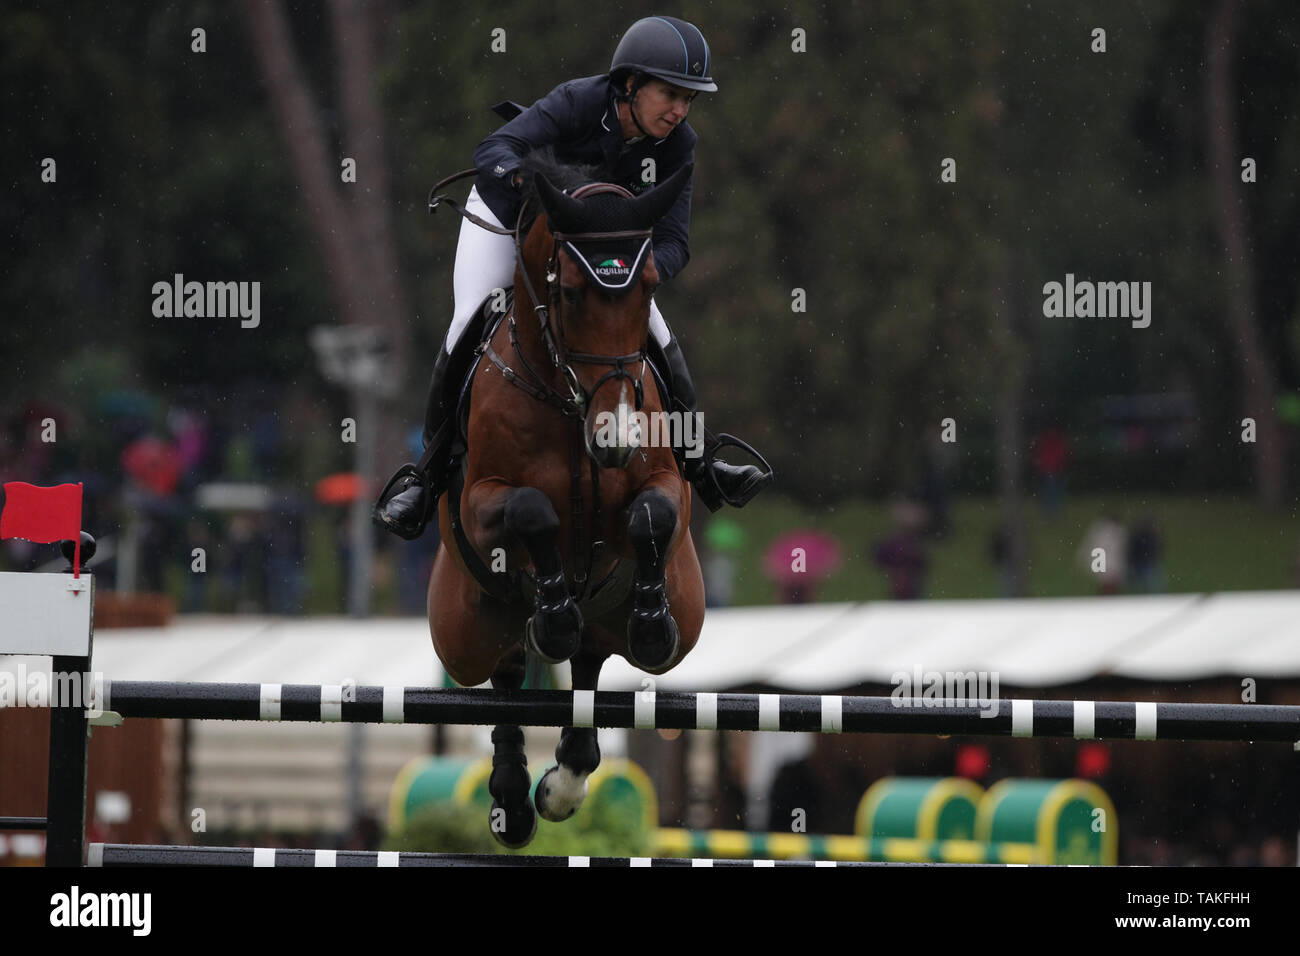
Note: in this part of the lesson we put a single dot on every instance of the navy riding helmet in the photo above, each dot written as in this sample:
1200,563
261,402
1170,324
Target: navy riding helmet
668,48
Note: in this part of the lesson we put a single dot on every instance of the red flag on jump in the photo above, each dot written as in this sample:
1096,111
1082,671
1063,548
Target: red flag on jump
43,515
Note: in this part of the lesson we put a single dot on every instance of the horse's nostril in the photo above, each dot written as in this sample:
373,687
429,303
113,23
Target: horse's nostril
612,456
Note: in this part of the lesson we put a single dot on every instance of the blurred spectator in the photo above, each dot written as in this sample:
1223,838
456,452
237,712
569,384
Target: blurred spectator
414,568
1275,852
1145,551
799,562
191,442
936,472
366,834
286,561
414,558
1050,454
1092,761
158,551
246,571
902,555
815,790
1108,536
972,762
266,439
1000,554
197,535
151,509
153,464
723,541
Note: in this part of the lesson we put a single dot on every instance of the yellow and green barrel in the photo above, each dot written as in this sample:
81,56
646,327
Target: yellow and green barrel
617,786
1068,821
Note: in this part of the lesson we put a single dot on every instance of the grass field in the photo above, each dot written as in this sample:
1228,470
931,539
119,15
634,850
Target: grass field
1217,543
1210,544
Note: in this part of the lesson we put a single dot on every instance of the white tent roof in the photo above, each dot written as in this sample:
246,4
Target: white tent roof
807,648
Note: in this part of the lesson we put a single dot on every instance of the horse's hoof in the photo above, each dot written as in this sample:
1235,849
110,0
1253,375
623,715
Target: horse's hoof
555,636
513,830
555,789
651,642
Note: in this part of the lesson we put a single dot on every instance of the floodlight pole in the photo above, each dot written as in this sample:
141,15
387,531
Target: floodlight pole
357,357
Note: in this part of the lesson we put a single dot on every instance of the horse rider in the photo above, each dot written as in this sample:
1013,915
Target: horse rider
616,121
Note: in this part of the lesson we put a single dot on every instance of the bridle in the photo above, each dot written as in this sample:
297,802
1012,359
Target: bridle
562,358
574,405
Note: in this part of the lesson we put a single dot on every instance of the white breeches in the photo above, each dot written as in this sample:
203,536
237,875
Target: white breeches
486,261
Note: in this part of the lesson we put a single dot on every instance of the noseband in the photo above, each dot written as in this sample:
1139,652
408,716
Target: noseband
562,358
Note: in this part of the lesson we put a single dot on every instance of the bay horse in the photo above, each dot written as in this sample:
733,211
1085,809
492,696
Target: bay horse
557,541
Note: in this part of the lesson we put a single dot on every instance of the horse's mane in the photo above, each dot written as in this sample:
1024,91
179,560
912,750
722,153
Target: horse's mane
564,176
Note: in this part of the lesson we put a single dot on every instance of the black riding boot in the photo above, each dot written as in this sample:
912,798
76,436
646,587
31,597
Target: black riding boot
737,483
407,501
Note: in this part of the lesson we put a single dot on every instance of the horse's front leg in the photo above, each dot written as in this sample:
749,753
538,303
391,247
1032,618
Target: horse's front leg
562,788
652,636
554,632
513,820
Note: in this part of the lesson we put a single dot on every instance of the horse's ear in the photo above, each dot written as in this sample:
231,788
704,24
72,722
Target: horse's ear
563,212
651,205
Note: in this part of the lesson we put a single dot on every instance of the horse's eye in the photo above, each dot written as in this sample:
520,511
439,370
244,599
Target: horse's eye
571,294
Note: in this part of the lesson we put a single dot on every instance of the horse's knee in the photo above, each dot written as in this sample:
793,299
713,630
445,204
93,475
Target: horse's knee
652,518
651,522
530,515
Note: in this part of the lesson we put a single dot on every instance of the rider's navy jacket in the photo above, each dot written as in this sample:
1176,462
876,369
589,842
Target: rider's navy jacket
579,119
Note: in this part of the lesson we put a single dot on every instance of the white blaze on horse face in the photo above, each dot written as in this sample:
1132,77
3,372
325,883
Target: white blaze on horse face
612,437
632,425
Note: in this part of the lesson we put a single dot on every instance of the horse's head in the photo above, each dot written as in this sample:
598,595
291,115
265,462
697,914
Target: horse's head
597,273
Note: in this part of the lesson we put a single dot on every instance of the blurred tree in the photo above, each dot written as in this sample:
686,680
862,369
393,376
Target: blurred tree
818,169
1258,375
352,218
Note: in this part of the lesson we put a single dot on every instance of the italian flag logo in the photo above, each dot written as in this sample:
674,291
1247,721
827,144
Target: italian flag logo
614,263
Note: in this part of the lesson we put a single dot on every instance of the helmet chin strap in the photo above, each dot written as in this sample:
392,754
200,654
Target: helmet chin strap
630,99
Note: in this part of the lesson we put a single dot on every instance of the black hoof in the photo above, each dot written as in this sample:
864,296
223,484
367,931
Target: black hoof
555,636
651,641
513,829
